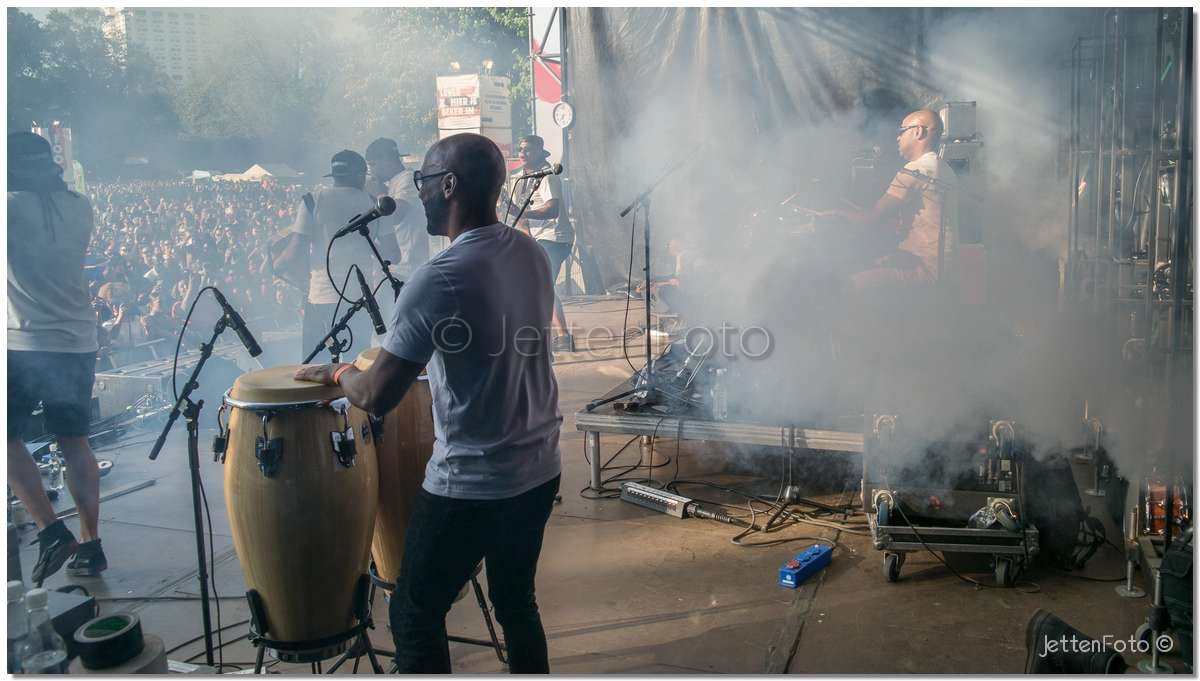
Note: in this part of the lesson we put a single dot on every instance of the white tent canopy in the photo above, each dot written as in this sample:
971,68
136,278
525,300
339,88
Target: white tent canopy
260,171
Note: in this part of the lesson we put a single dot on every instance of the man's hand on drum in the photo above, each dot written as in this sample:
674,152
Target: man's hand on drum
317,373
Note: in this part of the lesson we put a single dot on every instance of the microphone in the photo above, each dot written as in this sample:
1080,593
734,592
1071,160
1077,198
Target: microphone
372,306
552,170
384,205
239,325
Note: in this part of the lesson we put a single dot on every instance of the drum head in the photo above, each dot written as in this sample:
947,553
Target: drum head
367,357
277,385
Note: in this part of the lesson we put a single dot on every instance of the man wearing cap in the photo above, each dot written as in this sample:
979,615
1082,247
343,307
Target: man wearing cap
319,216
51,350
542,221
389,176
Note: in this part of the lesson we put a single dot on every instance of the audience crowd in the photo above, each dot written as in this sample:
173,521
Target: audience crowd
157,244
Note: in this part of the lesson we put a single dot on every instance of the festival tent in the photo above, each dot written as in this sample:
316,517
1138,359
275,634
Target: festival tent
261,171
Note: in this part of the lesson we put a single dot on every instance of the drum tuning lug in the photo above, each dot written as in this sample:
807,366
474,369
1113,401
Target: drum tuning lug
376,427
344,446
268,453
218,447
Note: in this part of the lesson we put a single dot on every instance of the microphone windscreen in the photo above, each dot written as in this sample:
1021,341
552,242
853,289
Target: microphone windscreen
557,168
386,205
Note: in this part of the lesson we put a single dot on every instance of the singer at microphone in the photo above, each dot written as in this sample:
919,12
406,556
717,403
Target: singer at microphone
537,182
324,215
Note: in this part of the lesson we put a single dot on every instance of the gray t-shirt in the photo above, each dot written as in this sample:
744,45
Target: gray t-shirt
478,315
333,208
49,307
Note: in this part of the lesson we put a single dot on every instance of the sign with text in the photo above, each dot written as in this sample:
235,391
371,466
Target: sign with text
473,101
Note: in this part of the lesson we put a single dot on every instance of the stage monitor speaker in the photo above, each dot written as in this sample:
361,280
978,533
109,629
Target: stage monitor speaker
119,388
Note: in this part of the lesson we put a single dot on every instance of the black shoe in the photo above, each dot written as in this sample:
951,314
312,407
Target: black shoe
1054,647
89,560
56,544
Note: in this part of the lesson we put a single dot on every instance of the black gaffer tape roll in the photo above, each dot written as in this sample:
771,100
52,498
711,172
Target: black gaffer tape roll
109,640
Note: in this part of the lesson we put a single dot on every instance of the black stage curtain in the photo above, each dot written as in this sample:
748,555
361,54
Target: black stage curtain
650,86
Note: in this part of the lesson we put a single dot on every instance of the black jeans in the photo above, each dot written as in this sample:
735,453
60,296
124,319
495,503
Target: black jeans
446,540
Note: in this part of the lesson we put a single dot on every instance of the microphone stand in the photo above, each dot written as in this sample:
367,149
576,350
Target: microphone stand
647,383
537,182
344,323
385,265
191,414
330,338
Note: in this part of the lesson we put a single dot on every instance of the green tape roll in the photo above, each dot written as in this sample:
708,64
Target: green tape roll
109,640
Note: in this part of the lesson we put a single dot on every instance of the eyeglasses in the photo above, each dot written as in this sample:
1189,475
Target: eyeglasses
905,128
419,177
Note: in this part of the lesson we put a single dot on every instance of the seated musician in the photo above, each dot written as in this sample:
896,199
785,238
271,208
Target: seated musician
477,315
673,291
921,204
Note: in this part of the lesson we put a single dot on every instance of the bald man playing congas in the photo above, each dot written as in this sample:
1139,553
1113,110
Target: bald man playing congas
477,316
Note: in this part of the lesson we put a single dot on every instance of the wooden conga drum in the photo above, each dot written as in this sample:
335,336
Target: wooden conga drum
402,442
301,506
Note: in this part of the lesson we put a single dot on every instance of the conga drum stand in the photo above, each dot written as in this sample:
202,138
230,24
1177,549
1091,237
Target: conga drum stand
494,643
316,651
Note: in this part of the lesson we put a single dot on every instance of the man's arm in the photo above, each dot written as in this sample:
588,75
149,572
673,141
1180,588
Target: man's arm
548,211
377,390
883,208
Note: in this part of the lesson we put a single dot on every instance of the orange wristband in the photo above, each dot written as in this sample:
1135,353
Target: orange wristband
337,375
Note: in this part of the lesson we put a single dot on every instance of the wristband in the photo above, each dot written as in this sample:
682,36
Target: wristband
337,375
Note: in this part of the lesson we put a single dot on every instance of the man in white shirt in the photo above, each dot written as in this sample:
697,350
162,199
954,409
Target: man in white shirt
388,176
477,316
51,351
332,207
922,203
543,220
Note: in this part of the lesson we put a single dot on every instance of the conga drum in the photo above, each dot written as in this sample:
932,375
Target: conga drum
302,501
402,442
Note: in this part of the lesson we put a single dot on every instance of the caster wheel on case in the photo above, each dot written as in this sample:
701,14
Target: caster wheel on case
1005,572
891,566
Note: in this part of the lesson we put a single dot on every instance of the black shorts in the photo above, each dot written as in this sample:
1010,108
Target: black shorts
558,253
61,381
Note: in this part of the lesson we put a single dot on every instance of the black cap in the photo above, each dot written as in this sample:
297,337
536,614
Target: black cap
383,148
347,163
30,154
535,142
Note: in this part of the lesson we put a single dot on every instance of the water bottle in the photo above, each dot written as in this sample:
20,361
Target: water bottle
18,623
720,401
42,651
55,469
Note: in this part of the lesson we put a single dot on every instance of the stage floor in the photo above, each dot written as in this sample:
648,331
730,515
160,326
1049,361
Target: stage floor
627,590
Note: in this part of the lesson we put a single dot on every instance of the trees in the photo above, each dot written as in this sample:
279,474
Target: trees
281,85
65,69
394,90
